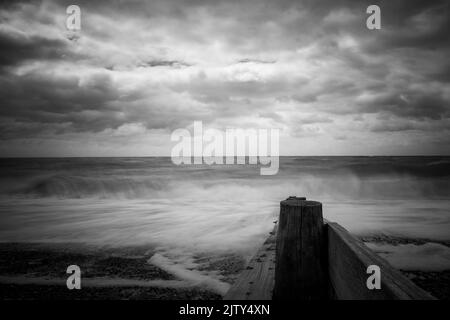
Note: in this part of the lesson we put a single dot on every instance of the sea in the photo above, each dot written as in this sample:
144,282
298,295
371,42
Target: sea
187,210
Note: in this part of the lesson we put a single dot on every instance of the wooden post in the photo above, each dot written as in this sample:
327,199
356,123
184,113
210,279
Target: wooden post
301,266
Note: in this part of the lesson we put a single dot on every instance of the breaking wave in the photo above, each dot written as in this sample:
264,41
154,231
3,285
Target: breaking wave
188,211
66,186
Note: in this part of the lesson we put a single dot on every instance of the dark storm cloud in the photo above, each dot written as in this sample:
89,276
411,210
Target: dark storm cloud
248,60
409,104
396,124
71,104
150,64
18,47
164,64
48,99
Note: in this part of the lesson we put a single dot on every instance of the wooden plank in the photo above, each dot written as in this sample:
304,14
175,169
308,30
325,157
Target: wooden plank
348,259
301,270
257,280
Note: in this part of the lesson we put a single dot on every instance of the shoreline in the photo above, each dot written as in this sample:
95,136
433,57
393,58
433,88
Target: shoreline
30,271
37,271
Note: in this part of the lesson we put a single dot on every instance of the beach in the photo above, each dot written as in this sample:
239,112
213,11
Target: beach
36,271
31,271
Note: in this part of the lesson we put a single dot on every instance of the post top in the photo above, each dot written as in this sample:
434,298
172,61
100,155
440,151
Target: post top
296,198
299,202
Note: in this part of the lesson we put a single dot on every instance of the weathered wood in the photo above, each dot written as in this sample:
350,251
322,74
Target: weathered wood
316,261
300,271
256,281
348,260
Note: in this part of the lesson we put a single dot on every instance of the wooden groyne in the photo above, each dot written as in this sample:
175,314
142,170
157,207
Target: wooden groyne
307,258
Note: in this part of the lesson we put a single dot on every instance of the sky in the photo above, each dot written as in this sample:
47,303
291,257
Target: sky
138,70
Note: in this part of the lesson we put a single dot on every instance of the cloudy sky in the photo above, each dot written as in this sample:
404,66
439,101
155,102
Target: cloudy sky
137,70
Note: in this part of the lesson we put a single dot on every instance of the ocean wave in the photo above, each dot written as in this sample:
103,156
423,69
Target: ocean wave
336,186
72,186
324,177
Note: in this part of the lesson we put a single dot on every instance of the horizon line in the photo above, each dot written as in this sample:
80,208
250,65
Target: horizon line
150,156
